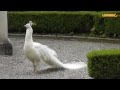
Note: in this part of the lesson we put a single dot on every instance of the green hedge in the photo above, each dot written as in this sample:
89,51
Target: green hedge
90,23
104,64
55,22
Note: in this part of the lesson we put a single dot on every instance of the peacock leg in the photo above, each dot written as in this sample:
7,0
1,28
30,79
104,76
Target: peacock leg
35,65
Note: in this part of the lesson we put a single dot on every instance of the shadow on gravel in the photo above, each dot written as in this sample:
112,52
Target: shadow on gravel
50,70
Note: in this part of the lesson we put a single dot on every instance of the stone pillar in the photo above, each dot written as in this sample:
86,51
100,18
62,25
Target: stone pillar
5,44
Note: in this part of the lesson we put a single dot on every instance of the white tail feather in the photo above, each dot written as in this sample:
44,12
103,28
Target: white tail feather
77,65
70,66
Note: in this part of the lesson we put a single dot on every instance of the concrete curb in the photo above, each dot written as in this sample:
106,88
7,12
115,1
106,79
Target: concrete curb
79,38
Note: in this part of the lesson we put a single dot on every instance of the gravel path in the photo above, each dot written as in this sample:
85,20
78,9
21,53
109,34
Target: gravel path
18,67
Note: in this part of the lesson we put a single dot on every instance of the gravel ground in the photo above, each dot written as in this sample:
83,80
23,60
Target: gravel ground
19,67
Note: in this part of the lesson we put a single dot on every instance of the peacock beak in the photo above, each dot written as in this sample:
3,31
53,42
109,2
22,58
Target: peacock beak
24,25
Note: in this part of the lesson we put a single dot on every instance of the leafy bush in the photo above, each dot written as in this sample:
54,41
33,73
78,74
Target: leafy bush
99,25
47,22
104,64
112,27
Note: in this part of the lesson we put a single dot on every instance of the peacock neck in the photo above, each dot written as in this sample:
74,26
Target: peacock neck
28,37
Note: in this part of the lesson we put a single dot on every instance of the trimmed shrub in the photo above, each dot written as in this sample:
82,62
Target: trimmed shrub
47,22
52,22
104,64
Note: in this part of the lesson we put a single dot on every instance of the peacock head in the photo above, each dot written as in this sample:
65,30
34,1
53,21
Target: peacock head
27,25
30,24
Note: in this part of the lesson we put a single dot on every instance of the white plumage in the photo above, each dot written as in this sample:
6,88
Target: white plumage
36,52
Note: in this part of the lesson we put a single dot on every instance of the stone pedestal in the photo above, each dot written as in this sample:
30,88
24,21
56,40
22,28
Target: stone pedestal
5,44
